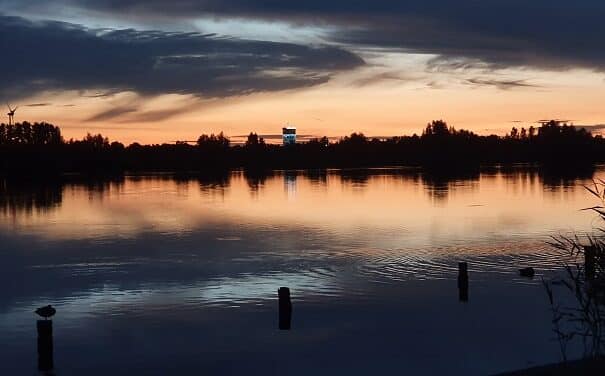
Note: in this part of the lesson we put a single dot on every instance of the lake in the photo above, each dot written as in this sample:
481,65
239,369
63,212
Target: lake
178,274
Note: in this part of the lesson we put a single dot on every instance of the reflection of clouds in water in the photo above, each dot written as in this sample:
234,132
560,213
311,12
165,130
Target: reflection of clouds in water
86,265
256,288
150,299
200,262
164,288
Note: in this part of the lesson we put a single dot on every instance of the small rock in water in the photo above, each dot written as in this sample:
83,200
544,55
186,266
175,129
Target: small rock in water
527,272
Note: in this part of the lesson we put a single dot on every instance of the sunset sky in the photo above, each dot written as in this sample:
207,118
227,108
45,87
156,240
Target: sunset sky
159,71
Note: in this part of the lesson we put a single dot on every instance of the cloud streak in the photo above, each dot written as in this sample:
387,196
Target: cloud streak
501,84
112,113
592,127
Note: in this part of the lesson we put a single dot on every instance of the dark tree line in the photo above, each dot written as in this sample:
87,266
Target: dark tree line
39,147
30,134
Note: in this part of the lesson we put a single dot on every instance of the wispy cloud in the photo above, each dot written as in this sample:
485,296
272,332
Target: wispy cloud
380,78
159,115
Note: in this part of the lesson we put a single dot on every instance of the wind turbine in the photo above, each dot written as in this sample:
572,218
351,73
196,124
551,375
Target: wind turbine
11,114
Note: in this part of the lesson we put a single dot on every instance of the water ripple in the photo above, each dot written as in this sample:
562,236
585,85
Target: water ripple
484,262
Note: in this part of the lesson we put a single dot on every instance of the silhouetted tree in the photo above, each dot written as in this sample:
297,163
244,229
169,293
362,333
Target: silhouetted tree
319,142
254,140
213,142
514,133
523,134
116,146
436,128
92,142
355,139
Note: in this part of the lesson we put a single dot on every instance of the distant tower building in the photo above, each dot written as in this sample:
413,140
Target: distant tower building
289,135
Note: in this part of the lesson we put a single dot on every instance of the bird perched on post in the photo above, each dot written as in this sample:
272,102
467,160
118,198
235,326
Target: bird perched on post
46,312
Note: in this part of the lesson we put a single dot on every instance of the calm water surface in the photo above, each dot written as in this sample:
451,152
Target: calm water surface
179,275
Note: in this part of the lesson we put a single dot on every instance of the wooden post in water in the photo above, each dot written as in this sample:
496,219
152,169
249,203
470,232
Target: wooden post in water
45,345
285,308
463,281
589,262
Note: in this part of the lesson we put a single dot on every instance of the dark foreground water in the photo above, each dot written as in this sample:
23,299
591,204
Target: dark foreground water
164,275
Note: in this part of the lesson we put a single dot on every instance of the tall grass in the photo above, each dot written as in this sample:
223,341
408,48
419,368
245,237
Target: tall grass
584,277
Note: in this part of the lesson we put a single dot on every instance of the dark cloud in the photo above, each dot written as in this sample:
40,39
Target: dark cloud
158,115
58,56
105,94
38,104
501,84
88,128
133,113
112,113
552,34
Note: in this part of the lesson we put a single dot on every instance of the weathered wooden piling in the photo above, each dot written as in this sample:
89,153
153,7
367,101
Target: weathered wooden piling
463,281
285,308
589,262
45,345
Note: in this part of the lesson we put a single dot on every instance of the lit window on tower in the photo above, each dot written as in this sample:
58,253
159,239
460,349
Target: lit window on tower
289,135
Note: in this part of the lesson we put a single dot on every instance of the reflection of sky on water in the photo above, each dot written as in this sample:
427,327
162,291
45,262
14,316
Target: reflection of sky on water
113,299
370,259
426,208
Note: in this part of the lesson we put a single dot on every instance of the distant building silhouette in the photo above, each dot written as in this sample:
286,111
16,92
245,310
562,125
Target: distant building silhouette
289,135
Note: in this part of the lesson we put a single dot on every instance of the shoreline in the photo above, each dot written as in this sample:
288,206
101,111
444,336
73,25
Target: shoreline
585,367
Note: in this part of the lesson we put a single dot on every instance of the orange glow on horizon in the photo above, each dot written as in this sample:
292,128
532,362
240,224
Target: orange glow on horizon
337,108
